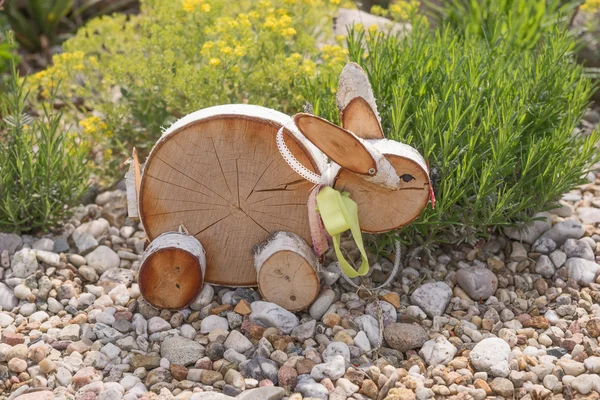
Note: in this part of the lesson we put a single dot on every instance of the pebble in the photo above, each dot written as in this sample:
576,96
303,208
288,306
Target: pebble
582,271
404,337
271,315
531,231
238,342
479,283
322,304
438,351
213,322
8,300
432,298
102,259
564,230
491,356
181,351
24,263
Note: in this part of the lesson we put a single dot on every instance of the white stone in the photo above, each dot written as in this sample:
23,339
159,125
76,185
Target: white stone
48,257
204,298
212,322
533,230
157,324
22,292
362,342
571,367
438,351
334,369
592,364
187,331
24,263
237,342
8,300
491,355
433,298
102,259
5,320
582,271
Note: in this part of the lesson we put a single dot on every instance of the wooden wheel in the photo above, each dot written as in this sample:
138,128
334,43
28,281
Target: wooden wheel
219,173
172,271
287,271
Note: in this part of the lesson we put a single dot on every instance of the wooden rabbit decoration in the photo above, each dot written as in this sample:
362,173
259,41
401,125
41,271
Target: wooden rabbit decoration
218,174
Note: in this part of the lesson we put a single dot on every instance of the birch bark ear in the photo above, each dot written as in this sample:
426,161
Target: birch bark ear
348,150
356,103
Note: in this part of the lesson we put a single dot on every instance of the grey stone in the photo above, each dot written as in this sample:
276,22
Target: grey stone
114,277
346,16
85,242
212,322
544,245
333,369
262,393
558,258
44,244
370,326
272,315
565,230
433,298
531,231
479,283
48,257
310,388
582,271
403,337
322,303
181,351
60,245
102,259
24,263
8,300
304,331
10,242
336,349
544,267
578,249
237,342
388,311
204,298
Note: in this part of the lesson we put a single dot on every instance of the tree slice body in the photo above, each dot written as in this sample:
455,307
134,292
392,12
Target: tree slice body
381,209
287,271
219,173
172,270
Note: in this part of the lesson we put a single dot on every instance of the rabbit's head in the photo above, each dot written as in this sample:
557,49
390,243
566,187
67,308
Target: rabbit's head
376,171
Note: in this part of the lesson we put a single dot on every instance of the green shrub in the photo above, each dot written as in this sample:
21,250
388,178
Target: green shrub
140,73
42,171
522,23
496,122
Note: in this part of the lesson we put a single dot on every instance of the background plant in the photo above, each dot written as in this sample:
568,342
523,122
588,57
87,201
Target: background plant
42,170
497,122
522,23
139,73
40,24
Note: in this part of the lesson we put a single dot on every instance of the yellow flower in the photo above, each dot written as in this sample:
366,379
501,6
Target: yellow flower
240,51
205,7
226,50
214,62
288,32
190,5
336,2
235,69
591,6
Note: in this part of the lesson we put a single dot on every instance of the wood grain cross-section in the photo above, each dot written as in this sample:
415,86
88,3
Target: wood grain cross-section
225,180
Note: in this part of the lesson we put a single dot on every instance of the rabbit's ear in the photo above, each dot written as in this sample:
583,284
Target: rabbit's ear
342,146
356,103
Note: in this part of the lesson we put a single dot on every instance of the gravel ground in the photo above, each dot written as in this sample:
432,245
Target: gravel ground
516,316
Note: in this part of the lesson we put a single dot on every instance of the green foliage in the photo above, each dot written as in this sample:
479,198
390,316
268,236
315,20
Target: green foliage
40,18
39,24
42,170
522,23
496,122
140,73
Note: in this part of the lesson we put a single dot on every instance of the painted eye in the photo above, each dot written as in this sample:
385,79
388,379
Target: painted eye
407,178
